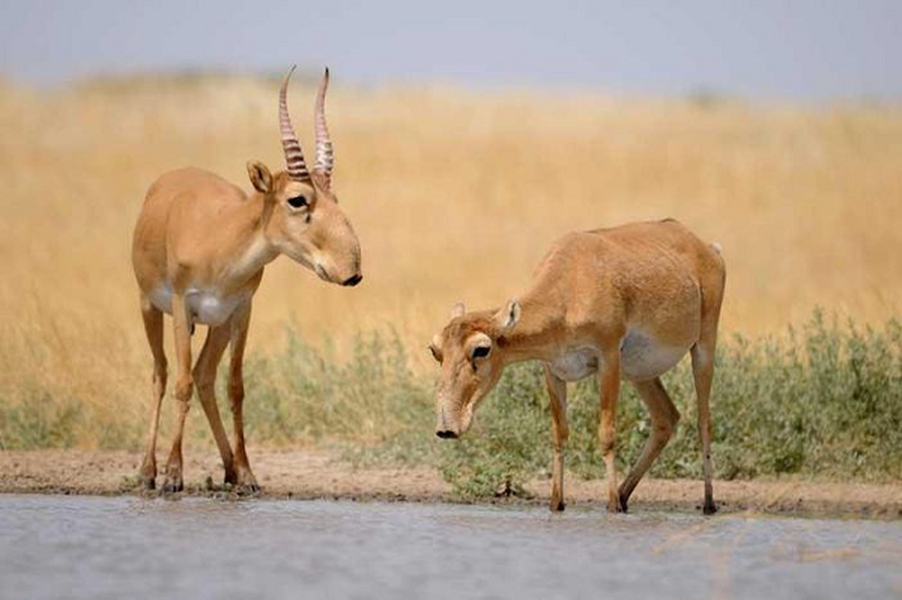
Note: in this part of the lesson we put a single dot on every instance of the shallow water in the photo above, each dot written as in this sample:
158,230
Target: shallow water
80,547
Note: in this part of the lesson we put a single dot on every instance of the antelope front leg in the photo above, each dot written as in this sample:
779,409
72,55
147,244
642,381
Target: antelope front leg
240,323
205,381
153,327
183,389
557,393
609,388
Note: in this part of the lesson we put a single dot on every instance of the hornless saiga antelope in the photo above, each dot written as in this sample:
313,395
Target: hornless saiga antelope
625,303
200,246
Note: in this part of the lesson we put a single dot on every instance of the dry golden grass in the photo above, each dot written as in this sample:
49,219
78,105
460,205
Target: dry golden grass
455,196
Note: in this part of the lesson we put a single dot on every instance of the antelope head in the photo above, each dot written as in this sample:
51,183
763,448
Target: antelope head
471,355
302,218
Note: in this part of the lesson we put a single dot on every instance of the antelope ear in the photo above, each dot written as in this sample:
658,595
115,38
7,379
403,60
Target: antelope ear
436,348
260,176
508,316
458,310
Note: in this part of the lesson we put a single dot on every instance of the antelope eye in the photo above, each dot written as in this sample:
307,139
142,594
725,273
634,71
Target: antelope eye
297,202
481,351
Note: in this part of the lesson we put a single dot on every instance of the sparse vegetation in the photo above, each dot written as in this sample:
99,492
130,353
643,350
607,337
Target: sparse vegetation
823,401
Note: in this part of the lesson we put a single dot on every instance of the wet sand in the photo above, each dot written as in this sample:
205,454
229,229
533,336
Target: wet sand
306,474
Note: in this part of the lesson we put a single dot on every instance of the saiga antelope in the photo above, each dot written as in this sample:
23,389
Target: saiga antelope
200,246
625,303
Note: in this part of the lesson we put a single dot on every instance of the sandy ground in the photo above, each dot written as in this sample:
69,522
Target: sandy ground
316,474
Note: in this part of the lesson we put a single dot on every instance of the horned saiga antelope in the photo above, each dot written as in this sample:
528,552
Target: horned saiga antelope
200,246
625,303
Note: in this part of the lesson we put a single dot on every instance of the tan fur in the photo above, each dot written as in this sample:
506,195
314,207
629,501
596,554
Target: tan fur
626,303
199,250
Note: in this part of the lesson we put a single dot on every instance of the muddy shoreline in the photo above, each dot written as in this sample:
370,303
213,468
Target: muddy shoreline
309,474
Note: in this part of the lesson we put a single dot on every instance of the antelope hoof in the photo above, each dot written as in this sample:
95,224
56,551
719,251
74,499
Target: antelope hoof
623,503
148,474
173,484
172,487
247,484
709,507
248,489
557,505
231,478
616,505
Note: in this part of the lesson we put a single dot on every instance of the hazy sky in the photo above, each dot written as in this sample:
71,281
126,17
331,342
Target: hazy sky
803,50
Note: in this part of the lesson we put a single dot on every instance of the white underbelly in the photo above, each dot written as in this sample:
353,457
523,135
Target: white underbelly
575,364
161,298
205,307
643,357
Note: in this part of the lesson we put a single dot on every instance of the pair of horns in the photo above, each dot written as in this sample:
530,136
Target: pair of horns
294,156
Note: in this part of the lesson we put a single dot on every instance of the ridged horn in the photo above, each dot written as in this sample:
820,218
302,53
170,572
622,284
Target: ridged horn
294,156
324,155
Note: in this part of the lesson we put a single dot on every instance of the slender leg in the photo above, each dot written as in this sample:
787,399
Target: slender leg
703,353
184,387
664,418
557,393
205,379
240,321
153,327
609,386
703,371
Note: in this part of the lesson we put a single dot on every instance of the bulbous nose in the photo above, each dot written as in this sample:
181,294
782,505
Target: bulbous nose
446,434
352,281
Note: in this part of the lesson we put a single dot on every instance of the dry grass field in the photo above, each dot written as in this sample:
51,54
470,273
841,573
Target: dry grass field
455,196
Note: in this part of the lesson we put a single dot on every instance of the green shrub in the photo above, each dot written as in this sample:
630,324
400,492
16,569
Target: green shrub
824,401
39,421
302,395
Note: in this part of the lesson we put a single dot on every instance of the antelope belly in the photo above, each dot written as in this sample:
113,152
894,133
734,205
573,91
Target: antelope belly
575,364
161,298
204,307
209,309
643,357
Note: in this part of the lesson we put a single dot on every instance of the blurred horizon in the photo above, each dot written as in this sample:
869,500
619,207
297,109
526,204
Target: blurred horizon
801,52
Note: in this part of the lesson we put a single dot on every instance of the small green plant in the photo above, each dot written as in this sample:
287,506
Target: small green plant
39,421
303,395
